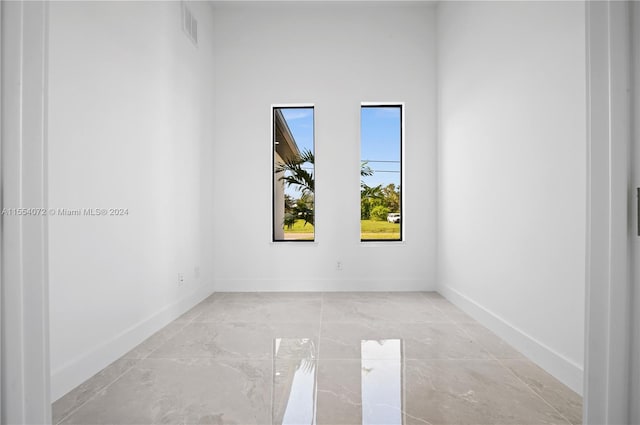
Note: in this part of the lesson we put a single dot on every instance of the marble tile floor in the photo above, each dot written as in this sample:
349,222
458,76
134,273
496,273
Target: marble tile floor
321,358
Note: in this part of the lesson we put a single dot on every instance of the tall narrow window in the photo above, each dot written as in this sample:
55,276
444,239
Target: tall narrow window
381,172
293,174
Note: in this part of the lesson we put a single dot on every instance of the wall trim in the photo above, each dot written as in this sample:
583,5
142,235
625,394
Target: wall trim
84,366
322,285
565,370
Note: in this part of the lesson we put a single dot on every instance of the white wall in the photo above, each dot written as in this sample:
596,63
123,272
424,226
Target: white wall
334,56
129,127
512,176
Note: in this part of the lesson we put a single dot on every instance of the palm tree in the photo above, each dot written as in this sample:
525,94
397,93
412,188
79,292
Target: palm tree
295,175
369,196
365,190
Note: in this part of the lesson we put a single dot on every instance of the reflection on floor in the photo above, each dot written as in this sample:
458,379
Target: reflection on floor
294,389
381,381
322,358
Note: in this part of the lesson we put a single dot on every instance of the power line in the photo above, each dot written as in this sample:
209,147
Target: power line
375,171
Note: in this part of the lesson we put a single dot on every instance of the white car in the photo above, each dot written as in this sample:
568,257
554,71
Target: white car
393,217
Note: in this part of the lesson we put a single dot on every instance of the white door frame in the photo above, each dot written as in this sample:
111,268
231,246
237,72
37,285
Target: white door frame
635,230
608,290
25,389
24,321
1,204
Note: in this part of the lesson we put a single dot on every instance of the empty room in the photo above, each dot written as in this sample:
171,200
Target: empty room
320,212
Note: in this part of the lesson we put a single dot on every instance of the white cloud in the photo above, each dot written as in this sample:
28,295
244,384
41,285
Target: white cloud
296,114
392,112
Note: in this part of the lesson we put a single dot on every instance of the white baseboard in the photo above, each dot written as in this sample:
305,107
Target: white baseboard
322,285
563,369
81,368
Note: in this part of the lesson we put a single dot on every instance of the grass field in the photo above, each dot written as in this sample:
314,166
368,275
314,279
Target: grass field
299,232
369,229
299,227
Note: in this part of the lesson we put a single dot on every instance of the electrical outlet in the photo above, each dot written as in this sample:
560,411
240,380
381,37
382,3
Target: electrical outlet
180,279
339,265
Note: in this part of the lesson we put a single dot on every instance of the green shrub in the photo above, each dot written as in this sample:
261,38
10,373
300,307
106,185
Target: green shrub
379,213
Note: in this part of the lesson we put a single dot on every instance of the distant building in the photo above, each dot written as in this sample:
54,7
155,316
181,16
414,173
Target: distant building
285,148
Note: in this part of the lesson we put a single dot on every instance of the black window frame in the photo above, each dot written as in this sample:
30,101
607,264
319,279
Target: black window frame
401,107
274,108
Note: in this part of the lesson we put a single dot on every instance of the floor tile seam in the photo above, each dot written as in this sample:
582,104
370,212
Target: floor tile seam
424,295
193,319
317,362
220,294
486,348
190,321
124,357
435,305
406,322
413,358
173,335
471,321
482,346
320,324
98,391
223,358
268,357
262,322
127,357
272,382
534,391
147,357
404,411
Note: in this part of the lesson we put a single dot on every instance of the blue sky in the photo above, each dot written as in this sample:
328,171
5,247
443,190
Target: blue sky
380,140
300,122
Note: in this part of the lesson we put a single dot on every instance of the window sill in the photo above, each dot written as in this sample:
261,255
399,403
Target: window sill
293,243
374,244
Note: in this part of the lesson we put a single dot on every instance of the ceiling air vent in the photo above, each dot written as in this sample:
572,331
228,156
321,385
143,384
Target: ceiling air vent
189,24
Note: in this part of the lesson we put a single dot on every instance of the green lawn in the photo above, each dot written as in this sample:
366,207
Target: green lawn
299,227
369,229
